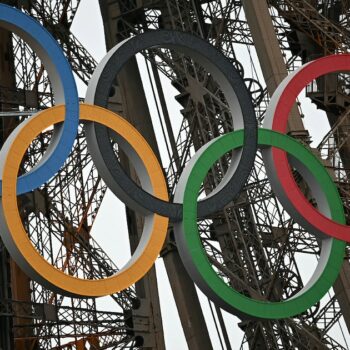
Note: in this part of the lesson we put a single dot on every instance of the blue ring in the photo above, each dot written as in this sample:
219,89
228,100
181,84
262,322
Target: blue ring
62,78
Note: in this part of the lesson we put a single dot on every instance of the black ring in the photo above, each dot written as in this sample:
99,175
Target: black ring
237,96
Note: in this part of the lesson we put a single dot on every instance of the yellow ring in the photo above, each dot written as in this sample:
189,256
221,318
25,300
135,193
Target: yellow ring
30,259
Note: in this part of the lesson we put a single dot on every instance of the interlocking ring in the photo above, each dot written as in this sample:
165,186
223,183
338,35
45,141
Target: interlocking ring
193,254
238,99
17,241
151,198
276,160
65,92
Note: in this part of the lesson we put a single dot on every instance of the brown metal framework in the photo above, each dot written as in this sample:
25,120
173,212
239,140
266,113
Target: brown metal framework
252,243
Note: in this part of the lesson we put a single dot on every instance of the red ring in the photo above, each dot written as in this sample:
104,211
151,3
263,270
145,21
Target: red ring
279,109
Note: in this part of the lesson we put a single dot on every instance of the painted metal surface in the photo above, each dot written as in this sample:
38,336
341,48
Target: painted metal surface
193,253
276,160
235,92
64,87
16,238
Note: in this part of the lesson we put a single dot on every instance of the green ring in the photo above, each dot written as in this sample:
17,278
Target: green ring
195,258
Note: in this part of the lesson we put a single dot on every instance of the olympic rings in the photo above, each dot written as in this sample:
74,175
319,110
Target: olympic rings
280,174
196,261
65,90
16,238
152,198
238,99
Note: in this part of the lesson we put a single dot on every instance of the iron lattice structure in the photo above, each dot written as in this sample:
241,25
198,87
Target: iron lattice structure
253,244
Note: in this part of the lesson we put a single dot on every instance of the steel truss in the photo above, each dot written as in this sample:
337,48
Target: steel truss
253,244
59,216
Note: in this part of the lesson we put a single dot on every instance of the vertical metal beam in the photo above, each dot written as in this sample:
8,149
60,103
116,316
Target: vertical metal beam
274,70
7,79
269,52
186,298
6,336
130,100
13,283
135,109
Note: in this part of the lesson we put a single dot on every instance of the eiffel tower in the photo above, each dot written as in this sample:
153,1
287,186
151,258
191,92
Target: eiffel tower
253,243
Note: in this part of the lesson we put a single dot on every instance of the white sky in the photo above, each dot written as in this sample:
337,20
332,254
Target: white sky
88,28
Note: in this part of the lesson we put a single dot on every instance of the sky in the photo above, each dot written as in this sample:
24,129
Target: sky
88,28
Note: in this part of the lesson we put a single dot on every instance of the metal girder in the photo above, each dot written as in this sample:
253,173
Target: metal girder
57,17
329,31
310,17
53,213
257,240
256,215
